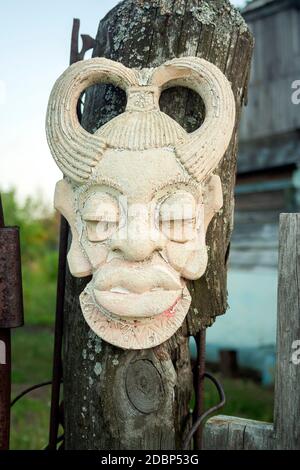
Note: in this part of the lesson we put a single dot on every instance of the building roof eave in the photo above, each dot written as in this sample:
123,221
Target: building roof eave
270,152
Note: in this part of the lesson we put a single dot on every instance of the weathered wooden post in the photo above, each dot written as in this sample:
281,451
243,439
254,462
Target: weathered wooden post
116,399
232,433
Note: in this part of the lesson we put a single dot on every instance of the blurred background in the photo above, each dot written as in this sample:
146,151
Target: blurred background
35,48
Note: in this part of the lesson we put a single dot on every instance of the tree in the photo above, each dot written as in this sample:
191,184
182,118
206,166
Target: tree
117,399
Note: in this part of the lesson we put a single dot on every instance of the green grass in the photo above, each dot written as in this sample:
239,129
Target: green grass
29,422
32,355
244,399
32,349
39,290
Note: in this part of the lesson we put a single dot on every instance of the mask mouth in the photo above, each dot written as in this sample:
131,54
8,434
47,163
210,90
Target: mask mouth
134,332
137,291
138,306
136,278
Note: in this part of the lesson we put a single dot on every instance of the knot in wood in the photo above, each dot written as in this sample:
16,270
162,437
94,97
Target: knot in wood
144,386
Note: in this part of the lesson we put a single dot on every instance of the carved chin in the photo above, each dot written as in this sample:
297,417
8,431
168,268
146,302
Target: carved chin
135,321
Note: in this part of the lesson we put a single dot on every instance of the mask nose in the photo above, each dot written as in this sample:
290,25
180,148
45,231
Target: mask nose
138,241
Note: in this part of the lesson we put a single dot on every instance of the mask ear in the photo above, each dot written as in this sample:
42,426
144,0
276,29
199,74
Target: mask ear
213,198
64,202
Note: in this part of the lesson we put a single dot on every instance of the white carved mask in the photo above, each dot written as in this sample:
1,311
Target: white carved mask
139,194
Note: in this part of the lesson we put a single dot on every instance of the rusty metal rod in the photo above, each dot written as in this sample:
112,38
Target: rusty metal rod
57,371
28,390
11,316
1,214
75,55
58,334
5,374
199,422
199,386
5,387
60,294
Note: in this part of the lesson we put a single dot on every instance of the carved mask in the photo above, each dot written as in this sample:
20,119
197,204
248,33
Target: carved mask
139,194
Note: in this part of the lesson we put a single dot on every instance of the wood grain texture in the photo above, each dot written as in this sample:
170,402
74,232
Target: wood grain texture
226,432
231,433
287,379
104,400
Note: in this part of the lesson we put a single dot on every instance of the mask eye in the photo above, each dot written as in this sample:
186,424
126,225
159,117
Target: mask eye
100,231
101,216
178,230
177,217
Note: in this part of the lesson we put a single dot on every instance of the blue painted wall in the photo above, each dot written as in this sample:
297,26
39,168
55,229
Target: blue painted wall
249,326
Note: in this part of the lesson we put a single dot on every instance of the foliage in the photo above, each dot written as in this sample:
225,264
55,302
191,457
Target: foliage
32,349
30,422
38,230
244,398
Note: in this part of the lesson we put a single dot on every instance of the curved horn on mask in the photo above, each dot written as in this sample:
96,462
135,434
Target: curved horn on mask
203,149
75,150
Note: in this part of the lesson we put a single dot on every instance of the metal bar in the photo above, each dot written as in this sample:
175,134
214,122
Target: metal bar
74,54
5,374
87,43
5,387
11,316
1,214
57,371
60,293
199,386
28,390
11,301
58,334
199,422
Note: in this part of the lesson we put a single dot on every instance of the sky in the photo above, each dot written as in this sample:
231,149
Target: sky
35,48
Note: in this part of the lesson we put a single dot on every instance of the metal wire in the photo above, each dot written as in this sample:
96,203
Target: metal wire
28,390
207,413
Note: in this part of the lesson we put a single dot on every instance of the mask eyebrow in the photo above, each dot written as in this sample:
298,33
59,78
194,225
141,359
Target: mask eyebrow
100,206
108,182
187,180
